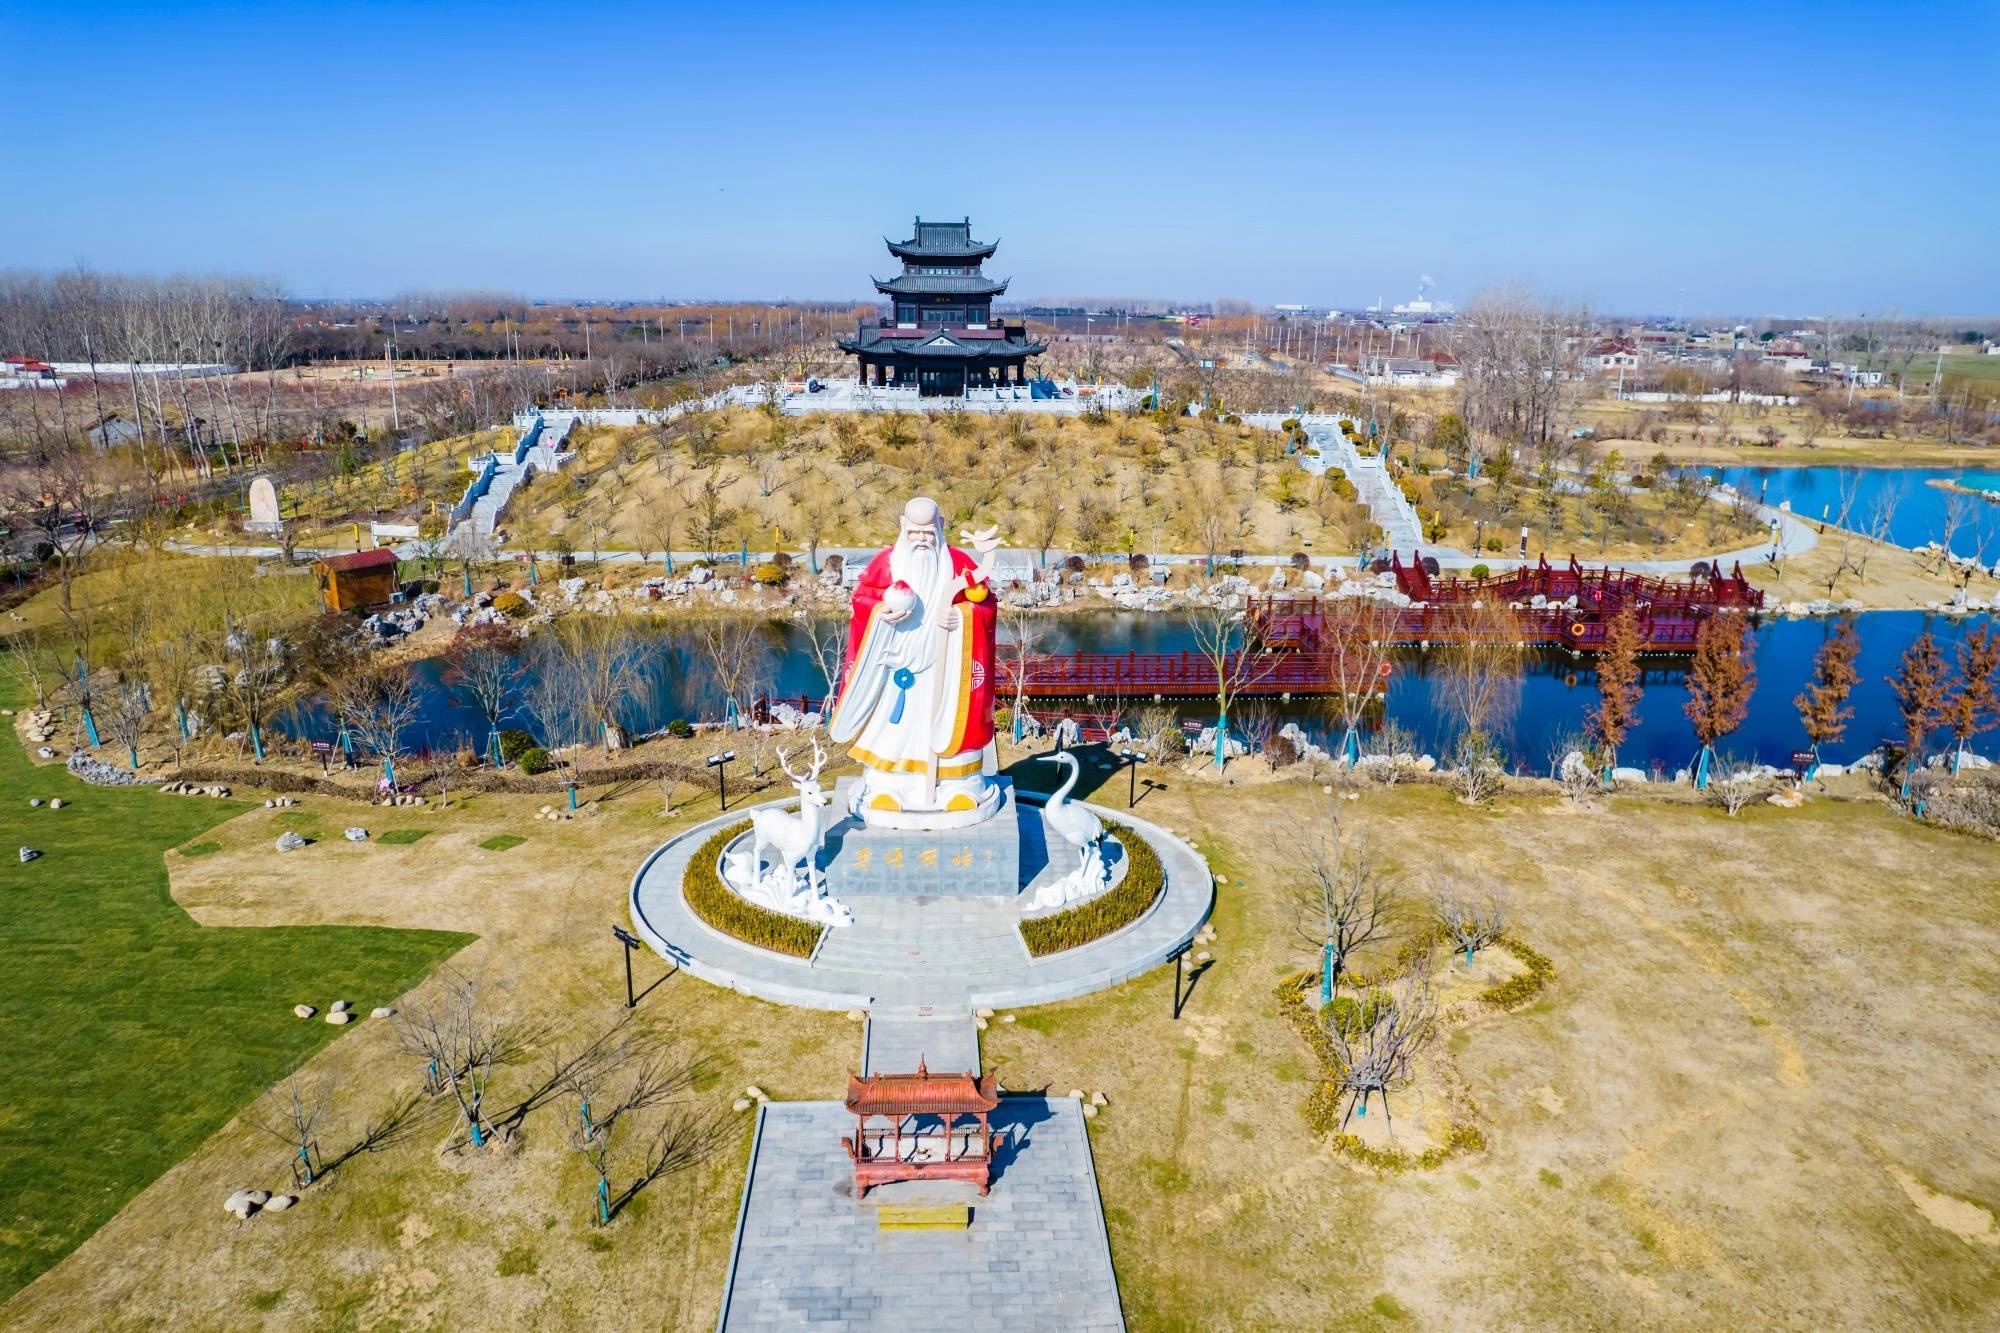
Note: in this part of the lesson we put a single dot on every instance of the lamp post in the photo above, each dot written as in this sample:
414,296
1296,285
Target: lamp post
720,763
631,942
1133,758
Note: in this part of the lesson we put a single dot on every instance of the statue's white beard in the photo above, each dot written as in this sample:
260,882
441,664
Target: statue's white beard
917,568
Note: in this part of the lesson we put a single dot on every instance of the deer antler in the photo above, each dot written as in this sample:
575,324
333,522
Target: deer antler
819,757
784,763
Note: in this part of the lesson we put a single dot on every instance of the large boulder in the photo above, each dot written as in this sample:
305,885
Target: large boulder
290,841
356,835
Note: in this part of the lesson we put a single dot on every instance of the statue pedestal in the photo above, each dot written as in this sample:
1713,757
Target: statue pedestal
984,859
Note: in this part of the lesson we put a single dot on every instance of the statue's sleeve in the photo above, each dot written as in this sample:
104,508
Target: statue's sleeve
966,721
862,685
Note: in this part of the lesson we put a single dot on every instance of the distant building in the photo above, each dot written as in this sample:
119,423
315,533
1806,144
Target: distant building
941,338
1612,354
113,430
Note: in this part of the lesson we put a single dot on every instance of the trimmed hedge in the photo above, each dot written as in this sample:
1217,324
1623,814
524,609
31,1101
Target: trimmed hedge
719,905
1108,911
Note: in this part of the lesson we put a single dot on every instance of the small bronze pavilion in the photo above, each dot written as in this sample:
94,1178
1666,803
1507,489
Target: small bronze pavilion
940,336
884,1154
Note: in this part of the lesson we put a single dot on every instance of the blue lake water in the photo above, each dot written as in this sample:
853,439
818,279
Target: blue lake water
1918,507
1554,691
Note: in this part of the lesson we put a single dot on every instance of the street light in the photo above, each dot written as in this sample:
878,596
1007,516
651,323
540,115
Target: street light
631,942
720,763
1133,758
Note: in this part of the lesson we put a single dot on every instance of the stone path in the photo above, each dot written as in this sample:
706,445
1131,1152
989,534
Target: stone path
894,1044
951,955
1035,1257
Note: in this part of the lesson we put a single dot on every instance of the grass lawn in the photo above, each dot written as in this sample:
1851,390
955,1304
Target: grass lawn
501,842
129,1034
402,837
1757,1093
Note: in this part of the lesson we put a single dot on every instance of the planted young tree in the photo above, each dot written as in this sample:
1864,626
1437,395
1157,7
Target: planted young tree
1720,681
126,712
1357,639
1619,683
1342,899
255,676
483,667
1382,1047
736,654
1975,705
462,1033
1479,686
1231,643
1823,707
378,705
1472,914
1021,637
610,1096
296,1113
1922,686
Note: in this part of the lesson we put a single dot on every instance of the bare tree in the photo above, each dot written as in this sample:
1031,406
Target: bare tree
125,718
295,1113
1231,643
462,1033
612,1094
379,705
1357,641
736,655
1735,782
1471,912
1022,632
483,666
1342,899
1379,1046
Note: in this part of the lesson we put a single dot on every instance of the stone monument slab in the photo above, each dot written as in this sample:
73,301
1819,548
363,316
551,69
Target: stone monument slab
264,513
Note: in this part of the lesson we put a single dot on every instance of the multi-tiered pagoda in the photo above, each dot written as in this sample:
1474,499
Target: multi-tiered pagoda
940,337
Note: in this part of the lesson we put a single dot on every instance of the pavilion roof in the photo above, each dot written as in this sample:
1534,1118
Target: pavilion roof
940,284
942,343
935,248
921,1093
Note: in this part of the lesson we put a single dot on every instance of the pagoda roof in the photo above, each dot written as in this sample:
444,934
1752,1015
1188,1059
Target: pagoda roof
937,249
940,284
921,1093
945,343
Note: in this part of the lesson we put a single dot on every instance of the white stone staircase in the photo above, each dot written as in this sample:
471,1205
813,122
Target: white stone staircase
1373,486
539,449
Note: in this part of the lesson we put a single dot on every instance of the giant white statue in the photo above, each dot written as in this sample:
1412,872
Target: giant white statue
916,705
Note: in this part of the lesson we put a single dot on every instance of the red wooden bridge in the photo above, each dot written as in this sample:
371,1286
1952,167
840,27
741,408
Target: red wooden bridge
1290,639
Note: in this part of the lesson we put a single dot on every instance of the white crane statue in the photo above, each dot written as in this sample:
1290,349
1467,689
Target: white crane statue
1082,830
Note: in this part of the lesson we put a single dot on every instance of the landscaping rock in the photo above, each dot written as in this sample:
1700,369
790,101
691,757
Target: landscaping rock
356,835
382,1011
240,1204
340,1006
56,803
28,854
856,1015
1089,1111
740,1104
259,1197
340,1018
1007,1018
982,1013
46,753
1076,1093
304,1010
100,774
279,1202
290,841
34,802
1097,1099
754,1091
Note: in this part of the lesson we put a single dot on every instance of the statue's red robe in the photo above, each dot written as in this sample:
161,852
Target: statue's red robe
974,688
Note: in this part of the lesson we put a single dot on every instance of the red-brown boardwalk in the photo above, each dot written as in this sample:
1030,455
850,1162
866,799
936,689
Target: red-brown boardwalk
1289,634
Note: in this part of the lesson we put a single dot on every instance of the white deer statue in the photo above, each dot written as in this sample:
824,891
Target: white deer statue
786,839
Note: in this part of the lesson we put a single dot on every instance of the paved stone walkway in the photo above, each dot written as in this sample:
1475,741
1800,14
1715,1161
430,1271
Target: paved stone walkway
1035,1257
894,1045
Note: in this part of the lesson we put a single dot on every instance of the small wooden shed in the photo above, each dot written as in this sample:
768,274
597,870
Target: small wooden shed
364,578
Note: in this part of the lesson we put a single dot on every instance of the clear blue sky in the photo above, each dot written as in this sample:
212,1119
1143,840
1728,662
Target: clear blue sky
1770,157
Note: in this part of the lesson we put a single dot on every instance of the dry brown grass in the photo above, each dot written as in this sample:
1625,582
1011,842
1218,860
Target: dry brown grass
1763,1030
